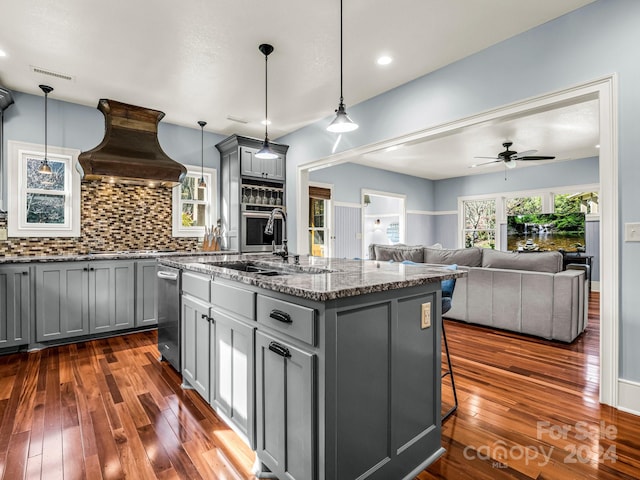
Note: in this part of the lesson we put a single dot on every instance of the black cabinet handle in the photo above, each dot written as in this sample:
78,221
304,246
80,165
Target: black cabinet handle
91,269
86,269
280,316
26,272
209,319
275,347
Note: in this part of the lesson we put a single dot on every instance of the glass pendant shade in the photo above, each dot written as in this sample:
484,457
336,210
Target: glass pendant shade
201,182
266,152
44,167
510,164
342,123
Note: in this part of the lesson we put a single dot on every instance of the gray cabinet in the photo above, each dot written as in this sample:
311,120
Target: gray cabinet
196,344
232,364
285,377
146,305
15,305
111,296
267,169
79,298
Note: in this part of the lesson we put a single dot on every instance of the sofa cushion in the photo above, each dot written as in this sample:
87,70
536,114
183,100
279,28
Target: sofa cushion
471,257
399,253
550,262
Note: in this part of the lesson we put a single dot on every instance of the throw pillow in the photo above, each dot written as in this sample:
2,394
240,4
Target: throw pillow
398,254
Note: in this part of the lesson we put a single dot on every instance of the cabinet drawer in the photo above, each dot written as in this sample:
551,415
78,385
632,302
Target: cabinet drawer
233,299
196,285
294,320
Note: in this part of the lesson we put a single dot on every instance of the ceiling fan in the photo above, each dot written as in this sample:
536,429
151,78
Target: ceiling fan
508,157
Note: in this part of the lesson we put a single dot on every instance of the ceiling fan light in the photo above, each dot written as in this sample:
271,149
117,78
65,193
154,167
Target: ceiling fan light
510,164
266,152
342,123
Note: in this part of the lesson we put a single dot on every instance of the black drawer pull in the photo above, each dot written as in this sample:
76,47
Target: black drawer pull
275,347
207,317
280,316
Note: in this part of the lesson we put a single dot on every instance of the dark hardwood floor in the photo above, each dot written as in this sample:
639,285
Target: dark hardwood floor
108,409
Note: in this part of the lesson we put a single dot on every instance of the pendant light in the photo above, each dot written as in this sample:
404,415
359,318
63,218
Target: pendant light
266,152
202,183
44,165
342,123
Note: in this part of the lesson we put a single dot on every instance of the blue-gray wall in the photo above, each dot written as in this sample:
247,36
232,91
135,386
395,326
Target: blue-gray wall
82,127
587,44
349,178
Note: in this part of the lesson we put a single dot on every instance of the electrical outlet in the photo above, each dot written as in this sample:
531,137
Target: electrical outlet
632,232
3,234
426,315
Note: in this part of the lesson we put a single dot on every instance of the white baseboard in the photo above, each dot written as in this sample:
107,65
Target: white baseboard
629,396
595,286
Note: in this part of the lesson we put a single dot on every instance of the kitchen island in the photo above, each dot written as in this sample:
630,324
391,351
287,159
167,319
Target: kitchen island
329,369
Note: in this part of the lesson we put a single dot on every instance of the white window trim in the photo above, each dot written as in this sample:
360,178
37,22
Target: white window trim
17,186
211,179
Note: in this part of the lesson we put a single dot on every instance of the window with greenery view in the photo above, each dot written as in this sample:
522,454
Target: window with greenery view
586,202
317,228
479,223
193,207
523,205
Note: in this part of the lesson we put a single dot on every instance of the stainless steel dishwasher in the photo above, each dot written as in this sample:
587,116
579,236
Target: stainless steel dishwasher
168,279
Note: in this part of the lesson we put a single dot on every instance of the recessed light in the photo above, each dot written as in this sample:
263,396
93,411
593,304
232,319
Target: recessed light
384,60
266,122
3,53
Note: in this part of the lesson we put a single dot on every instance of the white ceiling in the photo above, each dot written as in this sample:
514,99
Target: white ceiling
568,132
199,59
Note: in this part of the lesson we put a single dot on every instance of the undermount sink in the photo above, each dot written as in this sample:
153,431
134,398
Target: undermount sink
268,269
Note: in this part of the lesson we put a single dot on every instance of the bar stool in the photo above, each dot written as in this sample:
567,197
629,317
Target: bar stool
447,294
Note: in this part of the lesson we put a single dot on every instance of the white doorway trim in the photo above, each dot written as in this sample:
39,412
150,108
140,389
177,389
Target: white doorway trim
605,89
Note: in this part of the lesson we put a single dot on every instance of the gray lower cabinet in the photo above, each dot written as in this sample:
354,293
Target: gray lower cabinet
15,305
79,298
196,344
232,367
146,293
285,377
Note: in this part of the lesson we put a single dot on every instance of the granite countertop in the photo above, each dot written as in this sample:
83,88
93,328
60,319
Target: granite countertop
120,255
331,278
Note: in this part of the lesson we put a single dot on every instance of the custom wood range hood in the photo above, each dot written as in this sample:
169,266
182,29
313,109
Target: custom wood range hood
130,152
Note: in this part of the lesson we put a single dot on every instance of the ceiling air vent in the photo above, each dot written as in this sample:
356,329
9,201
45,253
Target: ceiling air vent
237,119
44,71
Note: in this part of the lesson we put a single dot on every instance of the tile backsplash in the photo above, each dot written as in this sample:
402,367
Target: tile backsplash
114,218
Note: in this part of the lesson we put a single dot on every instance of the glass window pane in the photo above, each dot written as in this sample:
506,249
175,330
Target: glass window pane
479,214
187,215
316,242
524,205
43,181
187,188
200,217
393,232
201,193
316,212
42,208
586,202
480,238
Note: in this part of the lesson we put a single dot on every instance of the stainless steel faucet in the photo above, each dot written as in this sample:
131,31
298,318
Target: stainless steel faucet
268,229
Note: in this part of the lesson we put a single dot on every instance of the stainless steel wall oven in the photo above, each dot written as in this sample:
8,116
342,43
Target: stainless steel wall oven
254,220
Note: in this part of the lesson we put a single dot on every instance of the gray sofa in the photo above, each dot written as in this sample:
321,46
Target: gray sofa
525,292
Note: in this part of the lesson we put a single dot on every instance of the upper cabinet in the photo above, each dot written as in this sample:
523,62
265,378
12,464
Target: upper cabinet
242,151
268,169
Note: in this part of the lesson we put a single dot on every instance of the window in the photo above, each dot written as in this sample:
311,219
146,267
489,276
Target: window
42,205
479,223
193,207
586,202
523,205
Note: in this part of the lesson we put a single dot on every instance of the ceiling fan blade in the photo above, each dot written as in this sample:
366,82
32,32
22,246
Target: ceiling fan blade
536,158
526,153
492,158
485,163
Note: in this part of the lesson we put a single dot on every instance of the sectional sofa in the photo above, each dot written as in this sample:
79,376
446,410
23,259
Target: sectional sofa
525,292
